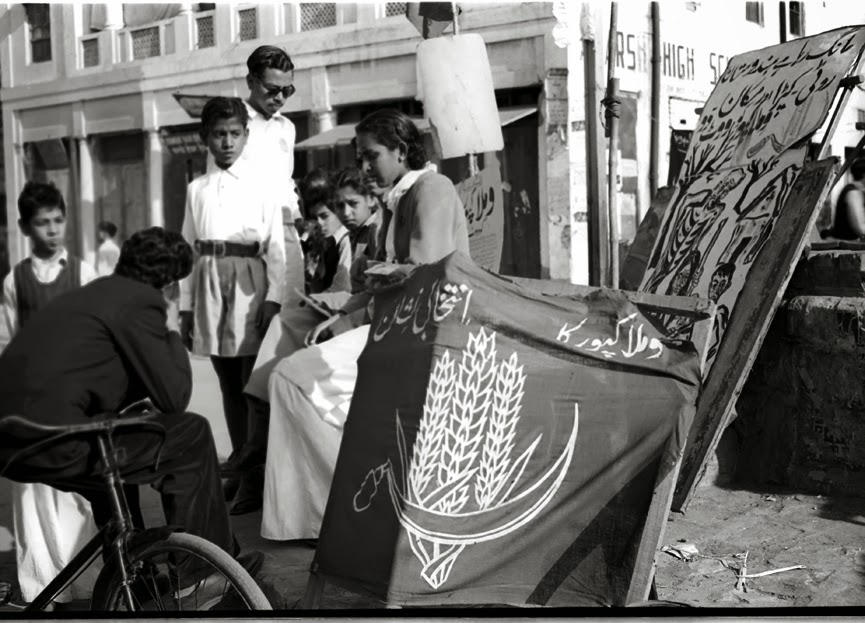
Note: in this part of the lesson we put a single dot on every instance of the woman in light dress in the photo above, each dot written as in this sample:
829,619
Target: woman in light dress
310,391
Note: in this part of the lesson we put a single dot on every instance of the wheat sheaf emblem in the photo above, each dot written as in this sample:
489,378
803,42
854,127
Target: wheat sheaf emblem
463,471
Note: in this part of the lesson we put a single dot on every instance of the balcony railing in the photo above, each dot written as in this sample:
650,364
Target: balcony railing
317,15
145,42
190,32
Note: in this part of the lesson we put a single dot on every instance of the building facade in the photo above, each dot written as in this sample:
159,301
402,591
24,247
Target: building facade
88,99
87,95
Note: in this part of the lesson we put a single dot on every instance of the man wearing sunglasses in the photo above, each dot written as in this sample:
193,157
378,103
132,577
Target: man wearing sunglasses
271,135
270,149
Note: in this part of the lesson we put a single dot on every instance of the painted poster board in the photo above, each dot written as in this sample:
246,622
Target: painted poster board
484,206
750,321
742,165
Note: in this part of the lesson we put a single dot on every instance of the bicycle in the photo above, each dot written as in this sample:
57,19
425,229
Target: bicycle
132,578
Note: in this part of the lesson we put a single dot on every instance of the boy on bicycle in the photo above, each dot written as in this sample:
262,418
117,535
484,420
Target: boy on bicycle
97,350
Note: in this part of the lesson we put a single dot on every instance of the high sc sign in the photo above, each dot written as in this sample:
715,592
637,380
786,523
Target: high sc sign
681,62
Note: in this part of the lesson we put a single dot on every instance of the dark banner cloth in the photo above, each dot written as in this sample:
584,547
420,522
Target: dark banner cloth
503,446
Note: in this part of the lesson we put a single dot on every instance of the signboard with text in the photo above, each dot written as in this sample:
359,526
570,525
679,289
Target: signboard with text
482,198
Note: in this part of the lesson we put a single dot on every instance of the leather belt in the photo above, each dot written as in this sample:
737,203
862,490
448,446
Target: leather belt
224,248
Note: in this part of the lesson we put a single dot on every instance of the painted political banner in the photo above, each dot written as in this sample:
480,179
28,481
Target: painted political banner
737,183
503,446
484,205
744,157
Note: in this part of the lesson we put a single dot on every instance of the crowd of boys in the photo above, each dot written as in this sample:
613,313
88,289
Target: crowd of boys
85,342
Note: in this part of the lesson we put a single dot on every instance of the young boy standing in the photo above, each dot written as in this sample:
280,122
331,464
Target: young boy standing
235,226
50,525
270,149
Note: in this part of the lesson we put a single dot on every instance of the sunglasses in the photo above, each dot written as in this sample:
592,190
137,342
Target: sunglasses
273,91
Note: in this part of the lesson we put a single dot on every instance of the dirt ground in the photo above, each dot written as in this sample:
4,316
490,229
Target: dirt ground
778,529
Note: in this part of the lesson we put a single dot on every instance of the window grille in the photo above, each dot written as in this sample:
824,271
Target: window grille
394,8
315,15
754,12
39,21
145,43
90,52
247,24
204,28
797,19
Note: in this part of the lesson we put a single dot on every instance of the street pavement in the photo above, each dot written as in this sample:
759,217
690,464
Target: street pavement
284,575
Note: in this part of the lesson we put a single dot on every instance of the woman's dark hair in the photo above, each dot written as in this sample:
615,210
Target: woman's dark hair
390,127
857,169
156,257
315,188
37,195
108,227
354,177
268,57
222,108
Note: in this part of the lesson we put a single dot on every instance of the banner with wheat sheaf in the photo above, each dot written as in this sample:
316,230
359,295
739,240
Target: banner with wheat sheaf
488,435
464,462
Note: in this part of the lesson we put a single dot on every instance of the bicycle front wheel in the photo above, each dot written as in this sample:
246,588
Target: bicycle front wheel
181,572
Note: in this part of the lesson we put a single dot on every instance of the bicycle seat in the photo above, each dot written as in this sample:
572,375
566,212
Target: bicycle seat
105,423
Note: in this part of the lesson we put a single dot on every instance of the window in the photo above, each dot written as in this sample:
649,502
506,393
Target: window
90,52
315,15
247,26
797,19
754,12
394,8
39,22
204,29
145,43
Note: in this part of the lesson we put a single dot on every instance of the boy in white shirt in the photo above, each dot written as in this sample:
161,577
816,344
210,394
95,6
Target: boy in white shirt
270,149
235,226
50,525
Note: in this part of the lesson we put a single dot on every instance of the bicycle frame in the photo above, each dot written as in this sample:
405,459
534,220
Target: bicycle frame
114,534
119,534
70,572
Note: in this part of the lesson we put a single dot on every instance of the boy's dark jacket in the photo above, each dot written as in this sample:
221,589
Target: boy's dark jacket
96,349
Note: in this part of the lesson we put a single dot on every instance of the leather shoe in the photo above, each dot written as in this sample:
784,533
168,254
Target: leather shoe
249,496
230,487
247,458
